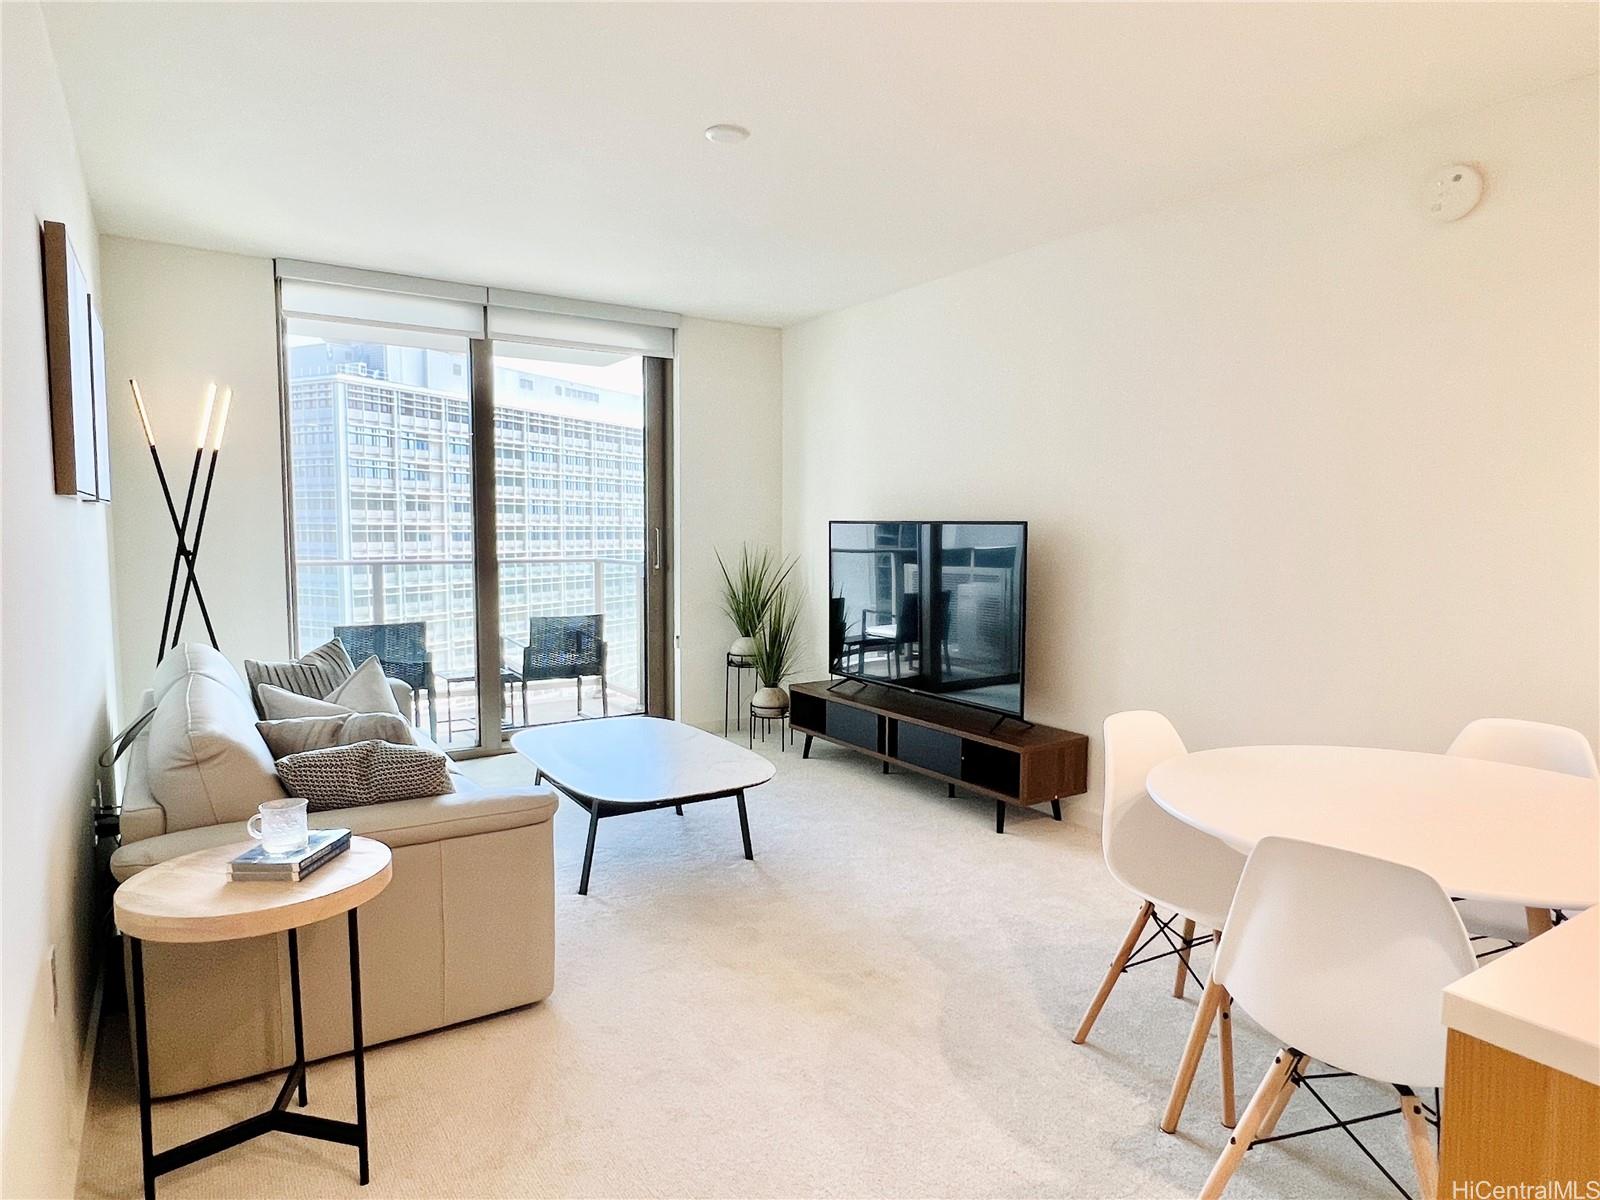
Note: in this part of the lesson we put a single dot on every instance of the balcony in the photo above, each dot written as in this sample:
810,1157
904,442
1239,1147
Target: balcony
439,591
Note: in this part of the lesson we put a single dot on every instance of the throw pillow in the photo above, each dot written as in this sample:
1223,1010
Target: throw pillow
294,735
315,673
371,772
365,691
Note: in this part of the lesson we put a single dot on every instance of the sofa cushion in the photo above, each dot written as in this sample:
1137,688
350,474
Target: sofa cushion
295,735
366,691
371,772
470,810
205,761
315,673
196,658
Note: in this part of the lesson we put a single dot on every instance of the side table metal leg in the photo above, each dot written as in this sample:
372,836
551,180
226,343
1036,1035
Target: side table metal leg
359,1044
588,850
726,670
999,816
805,750
142,1060
299,1021
744,827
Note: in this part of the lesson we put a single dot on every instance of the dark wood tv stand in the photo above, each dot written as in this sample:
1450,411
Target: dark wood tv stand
1010,760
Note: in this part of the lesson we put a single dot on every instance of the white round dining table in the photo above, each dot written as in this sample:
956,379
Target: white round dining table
1483,830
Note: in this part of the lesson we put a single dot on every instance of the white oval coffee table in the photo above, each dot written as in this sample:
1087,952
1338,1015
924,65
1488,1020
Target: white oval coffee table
622,765
1484,830
191,899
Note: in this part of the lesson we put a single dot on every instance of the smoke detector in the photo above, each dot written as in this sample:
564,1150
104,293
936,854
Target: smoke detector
1452,192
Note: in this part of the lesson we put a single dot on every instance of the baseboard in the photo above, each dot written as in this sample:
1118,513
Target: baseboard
86,1056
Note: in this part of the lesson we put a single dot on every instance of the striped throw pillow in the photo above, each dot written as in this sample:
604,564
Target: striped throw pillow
314,674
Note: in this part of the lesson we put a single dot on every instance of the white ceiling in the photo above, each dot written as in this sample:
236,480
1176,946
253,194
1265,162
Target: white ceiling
558,148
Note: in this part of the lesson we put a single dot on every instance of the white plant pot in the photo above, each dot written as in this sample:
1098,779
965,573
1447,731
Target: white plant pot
743,647
770,699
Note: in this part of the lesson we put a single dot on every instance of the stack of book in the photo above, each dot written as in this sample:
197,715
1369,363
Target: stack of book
322,846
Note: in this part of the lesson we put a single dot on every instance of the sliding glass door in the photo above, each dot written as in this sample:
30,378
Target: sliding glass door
487,518
379,437
570,534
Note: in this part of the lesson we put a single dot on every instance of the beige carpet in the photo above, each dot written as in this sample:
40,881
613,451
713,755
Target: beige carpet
882,1004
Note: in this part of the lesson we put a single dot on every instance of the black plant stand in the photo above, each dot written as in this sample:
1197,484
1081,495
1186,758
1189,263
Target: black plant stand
737,665
767,716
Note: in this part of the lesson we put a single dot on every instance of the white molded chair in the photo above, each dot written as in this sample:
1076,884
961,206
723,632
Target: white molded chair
1342,958
1167,864
1527,744
1523,744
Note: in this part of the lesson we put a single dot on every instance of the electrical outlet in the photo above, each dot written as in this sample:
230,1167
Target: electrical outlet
55,990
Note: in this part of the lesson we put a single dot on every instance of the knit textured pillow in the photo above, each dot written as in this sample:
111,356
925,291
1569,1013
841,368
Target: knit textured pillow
315,673
370,772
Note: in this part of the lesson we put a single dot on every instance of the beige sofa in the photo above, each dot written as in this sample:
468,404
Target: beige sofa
466,927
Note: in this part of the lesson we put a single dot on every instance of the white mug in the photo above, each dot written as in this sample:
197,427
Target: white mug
282,828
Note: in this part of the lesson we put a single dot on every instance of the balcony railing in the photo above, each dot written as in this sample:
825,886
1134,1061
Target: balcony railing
440,591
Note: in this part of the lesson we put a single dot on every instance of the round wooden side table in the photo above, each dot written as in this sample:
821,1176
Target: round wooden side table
191,899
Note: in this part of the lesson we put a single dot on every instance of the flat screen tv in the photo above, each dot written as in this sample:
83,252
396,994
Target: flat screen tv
937,607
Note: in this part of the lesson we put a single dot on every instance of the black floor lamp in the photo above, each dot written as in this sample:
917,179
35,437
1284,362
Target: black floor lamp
183,555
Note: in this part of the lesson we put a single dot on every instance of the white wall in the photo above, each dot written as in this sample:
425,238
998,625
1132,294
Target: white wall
178,319
729,463
1300,465
56,657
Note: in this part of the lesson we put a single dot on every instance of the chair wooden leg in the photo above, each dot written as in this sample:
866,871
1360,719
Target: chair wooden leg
1422,1152
1225,1057
1278,1105
1539,922
1183,960
1249,1124
1210,1002
1124,953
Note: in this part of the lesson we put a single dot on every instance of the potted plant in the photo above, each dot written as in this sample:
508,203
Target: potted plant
748,592
777,650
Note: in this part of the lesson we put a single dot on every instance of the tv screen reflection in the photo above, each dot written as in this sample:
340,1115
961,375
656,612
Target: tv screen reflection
936,607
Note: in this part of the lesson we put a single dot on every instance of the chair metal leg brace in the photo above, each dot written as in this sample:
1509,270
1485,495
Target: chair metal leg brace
1127,956
1283,1083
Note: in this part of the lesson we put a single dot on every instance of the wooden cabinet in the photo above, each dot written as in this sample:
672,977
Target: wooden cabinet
1000,757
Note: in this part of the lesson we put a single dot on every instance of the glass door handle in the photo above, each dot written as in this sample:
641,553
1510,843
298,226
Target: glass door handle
658,548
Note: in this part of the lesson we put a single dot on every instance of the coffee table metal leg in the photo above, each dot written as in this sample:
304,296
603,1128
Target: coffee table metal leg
142,1060
744,826
359,1046
588,850
299,1021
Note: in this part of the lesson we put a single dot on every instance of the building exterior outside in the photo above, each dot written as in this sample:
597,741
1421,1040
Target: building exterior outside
381,477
